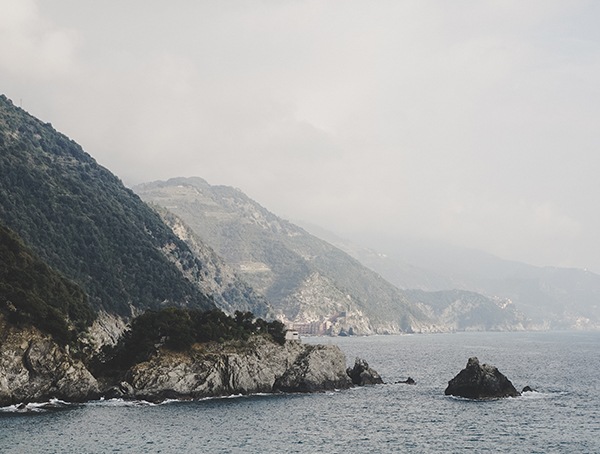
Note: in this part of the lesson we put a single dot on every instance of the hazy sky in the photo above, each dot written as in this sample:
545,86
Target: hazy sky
474,122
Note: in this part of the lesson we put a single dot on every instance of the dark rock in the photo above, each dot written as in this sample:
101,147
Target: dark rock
408,381
480,381
361,374
527,389
122,390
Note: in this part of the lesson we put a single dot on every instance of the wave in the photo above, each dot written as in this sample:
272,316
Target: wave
542,394
38,407
118,402
530,395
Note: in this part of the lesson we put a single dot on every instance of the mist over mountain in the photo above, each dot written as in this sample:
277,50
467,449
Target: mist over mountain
212,245
549,297
395,269
311,281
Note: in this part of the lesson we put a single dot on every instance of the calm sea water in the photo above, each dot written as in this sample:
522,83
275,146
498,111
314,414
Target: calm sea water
562,416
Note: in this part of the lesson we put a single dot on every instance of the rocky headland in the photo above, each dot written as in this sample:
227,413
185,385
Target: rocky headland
256,366
34,368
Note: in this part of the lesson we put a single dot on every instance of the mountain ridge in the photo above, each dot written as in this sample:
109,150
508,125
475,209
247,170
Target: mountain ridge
549,297
317,286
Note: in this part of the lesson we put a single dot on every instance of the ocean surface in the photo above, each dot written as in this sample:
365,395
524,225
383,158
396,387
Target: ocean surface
562,415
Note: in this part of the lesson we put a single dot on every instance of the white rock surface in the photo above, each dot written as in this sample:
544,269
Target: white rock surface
34,368
226,369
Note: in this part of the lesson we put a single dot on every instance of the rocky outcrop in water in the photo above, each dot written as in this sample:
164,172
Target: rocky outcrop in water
361,374
258,366
480,381
33,368
408,381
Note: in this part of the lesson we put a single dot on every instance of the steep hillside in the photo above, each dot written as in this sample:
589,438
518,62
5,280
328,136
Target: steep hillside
316,285
216,278
281,260
81,220
33,293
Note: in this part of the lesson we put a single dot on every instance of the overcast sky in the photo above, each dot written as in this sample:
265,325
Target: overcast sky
472,122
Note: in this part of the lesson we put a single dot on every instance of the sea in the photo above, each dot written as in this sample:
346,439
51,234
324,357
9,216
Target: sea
561,415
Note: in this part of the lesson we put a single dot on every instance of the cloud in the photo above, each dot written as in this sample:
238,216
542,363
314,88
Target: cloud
469,122
31,46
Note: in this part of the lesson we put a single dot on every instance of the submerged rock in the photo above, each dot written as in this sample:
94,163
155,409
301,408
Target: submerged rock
480,381
361,374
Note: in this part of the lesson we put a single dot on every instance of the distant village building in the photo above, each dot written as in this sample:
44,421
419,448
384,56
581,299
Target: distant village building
292,335
313,328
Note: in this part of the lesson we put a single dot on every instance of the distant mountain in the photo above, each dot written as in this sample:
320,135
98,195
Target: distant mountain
460,310
549,297
82,221
316,285
393,268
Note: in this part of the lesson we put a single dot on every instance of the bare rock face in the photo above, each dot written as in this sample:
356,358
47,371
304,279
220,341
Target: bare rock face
106,330
34,368
219,370
317,368
361,374
480,381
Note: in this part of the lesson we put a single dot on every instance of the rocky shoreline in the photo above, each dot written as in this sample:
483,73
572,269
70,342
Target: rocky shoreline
33,368
257,366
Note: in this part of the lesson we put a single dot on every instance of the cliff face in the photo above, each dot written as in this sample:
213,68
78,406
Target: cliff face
34,368
226,369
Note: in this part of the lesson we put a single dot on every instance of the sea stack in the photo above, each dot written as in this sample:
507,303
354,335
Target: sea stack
480,381
361,374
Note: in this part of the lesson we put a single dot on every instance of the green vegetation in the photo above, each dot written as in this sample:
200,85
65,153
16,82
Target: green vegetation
33,293
80,219
177,329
